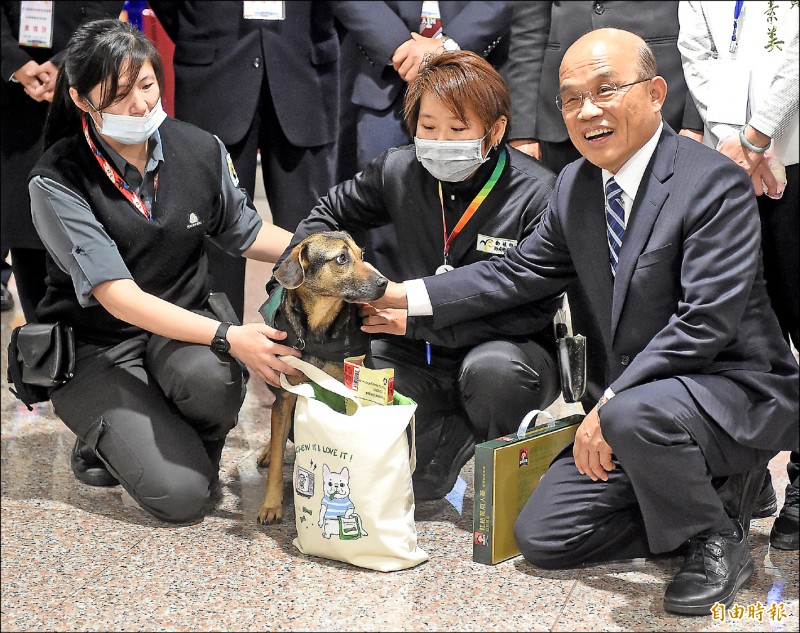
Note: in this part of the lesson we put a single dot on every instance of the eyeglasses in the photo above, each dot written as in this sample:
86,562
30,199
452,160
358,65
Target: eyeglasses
572,100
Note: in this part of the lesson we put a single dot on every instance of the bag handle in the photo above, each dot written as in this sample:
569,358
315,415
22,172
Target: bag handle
531,417
324,380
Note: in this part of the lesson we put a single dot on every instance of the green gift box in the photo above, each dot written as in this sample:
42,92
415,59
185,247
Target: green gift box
507,470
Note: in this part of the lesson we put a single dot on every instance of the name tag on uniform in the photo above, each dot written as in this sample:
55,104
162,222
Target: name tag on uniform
36,24
494,245
264,10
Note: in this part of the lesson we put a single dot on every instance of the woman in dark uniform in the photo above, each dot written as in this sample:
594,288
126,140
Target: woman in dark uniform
124,199
457,196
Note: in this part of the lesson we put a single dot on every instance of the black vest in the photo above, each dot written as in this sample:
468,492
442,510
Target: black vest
165,256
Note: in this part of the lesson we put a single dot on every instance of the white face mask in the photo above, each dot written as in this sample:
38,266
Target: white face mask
131,130
451,161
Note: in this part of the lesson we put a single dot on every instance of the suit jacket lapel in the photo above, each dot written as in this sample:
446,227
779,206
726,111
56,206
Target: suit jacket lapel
650,199
592,260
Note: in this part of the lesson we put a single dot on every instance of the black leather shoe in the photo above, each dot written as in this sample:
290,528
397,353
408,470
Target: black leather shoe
716,567
766,502
437,478
785,533
741,493
88,468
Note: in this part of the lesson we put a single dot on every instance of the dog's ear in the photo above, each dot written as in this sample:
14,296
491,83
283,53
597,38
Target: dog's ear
345,475
326,472
290,274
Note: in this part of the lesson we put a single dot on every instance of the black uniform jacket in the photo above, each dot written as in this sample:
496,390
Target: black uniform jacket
396,189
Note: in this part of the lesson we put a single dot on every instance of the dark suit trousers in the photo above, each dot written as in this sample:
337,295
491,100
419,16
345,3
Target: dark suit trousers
156,411
295,178
666,450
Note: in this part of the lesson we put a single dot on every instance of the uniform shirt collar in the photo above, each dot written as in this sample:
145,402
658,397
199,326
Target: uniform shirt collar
154,150
630,175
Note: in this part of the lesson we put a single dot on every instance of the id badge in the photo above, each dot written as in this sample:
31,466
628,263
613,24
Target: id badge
36,24
264,10
731,80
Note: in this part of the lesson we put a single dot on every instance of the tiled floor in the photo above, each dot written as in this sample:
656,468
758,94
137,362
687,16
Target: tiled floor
82,558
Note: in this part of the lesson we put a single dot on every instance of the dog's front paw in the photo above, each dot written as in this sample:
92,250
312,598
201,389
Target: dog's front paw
270,514
263,457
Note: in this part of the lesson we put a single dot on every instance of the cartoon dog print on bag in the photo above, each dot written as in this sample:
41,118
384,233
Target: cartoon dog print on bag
337,514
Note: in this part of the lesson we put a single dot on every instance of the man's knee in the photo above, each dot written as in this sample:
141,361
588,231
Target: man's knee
630,420
535,551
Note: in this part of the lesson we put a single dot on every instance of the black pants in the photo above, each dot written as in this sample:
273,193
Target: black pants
780,244
156,411
489,389
30,270
294,180
666,450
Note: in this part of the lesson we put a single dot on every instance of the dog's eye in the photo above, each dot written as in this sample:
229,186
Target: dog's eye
342,259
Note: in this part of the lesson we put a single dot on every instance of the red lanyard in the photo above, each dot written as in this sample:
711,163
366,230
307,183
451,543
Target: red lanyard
114,177
472,208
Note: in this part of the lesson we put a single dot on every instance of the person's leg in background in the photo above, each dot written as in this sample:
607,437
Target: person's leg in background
780,231
295,178
30,270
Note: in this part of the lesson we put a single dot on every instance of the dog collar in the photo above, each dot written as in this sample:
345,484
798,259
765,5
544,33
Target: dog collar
354,343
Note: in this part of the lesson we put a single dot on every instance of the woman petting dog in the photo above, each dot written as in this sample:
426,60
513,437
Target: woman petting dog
124,199
459,195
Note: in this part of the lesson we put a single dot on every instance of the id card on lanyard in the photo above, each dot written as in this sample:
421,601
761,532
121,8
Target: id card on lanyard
36,24
264,10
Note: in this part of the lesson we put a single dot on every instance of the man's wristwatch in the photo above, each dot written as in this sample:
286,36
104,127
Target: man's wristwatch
220,341
449,44
601,402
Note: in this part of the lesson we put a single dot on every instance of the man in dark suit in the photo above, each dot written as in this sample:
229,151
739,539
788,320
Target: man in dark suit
260,81
701,383
29,76
541,32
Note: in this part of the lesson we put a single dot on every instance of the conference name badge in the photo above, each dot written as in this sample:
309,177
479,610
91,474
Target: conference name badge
494,245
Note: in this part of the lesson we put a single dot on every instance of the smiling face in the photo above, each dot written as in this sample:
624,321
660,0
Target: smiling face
610,133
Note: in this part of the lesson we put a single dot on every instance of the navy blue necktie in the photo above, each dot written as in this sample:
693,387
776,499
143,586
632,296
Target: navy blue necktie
615,222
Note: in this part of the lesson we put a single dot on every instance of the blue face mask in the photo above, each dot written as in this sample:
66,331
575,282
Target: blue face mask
131,130
450,161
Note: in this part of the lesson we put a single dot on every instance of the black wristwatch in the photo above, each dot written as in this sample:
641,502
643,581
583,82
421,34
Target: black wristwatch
220,342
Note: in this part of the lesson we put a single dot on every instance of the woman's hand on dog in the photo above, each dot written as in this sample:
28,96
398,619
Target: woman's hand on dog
255,345
383,321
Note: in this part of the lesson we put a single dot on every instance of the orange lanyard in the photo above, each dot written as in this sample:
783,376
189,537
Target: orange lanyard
114,177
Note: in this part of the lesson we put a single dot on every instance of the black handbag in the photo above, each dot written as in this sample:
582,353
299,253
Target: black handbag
40,356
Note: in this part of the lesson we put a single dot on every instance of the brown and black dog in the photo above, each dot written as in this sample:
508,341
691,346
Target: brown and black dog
323,280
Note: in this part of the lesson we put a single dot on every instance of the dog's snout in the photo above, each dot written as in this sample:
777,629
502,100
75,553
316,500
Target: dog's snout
381,282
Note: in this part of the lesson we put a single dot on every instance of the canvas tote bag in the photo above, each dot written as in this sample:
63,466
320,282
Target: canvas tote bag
353,497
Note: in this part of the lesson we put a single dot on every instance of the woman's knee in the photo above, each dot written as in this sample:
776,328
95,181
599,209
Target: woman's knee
214,391
179,500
